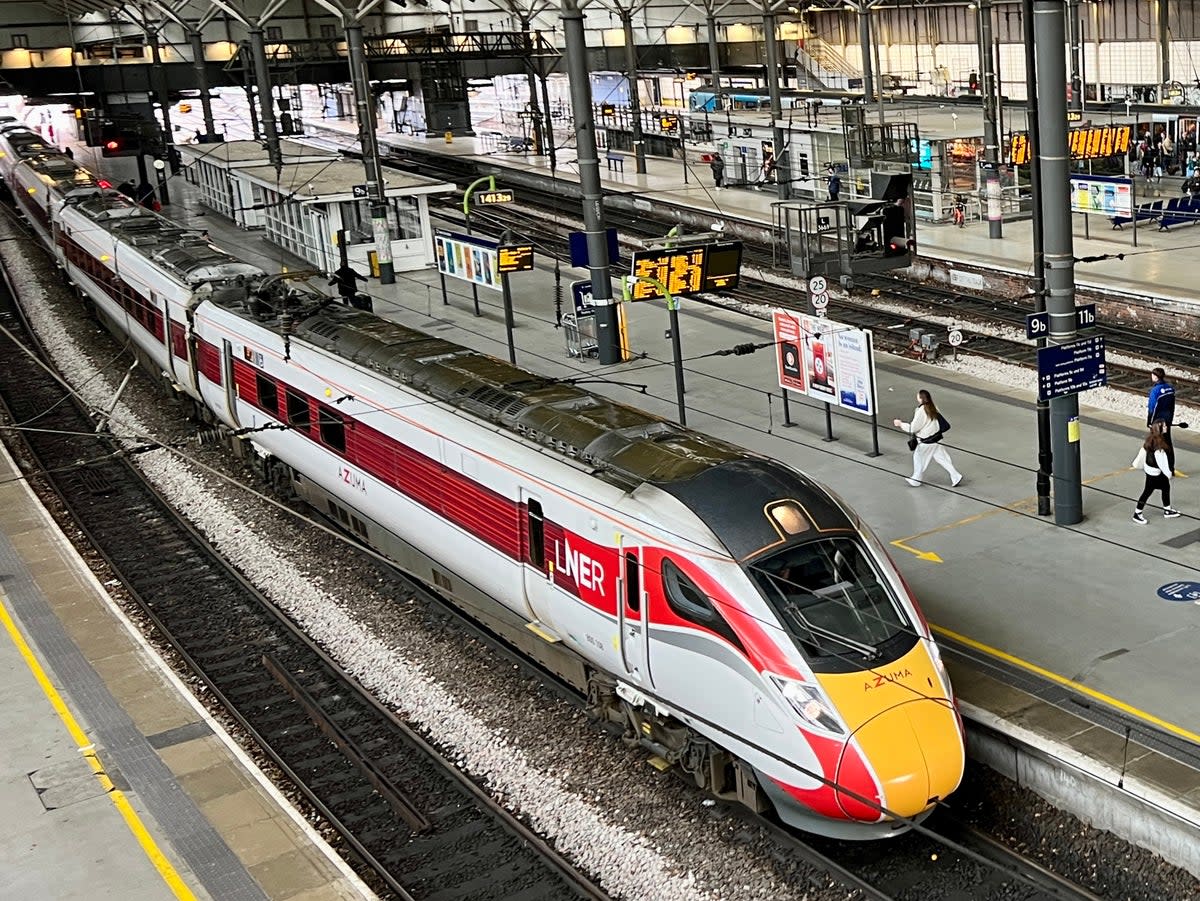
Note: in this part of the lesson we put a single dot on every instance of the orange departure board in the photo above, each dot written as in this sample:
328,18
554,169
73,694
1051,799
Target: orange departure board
1087,142
514,258
681,270
687,270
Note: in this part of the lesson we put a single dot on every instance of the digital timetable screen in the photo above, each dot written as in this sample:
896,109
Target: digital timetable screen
681,270
687,270
1087,142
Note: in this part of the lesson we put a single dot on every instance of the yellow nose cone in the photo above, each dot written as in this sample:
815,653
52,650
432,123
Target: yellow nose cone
915,753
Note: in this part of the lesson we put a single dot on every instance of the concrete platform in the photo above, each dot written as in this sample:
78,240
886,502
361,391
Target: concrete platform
114,782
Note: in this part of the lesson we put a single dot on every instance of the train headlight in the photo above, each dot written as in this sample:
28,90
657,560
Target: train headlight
809,704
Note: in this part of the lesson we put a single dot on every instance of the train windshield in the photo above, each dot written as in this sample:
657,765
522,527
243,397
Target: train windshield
832,601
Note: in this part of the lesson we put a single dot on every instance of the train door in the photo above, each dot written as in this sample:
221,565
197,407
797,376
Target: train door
632,617
161,304
533,549
230,384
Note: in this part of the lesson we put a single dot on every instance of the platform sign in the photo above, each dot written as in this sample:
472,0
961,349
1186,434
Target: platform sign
608,109
505,196
514,258
359,191
669,124
826,360
577,241
471,259
1037,325
1065,369
1102,195
581,297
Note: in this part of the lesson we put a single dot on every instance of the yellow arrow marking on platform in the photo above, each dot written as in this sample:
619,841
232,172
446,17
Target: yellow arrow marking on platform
920,555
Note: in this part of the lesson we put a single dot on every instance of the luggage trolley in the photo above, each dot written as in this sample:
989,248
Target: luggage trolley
581,335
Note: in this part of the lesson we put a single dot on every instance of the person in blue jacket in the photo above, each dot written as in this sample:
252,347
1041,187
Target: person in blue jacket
1161,403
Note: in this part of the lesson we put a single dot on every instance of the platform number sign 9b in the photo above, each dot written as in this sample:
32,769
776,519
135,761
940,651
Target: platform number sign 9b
1037,325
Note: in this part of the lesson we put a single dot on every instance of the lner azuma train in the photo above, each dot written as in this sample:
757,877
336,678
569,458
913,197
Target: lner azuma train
731,614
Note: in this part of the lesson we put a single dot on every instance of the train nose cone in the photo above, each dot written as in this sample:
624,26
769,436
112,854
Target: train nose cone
913,753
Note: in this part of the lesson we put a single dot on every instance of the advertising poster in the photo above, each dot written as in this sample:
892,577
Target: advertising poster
826,360
787,359
818,352
1101,195
469,259
854,370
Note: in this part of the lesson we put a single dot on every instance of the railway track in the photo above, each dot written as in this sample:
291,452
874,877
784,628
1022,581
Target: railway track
417,827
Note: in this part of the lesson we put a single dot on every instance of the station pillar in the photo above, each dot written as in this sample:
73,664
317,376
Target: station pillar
991,131
635,99
1049,32
782,164
608,336
266,99
364,104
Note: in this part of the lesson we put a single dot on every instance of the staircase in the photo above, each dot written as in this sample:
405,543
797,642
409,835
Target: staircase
823,67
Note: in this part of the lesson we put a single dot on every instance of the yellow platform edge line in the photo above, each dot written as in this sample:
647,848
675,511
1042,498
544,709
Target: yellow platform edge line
165,869
1068,683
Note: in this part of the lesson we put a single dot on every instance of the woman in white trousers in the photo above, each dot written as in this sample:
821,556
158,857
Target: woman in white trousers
928,432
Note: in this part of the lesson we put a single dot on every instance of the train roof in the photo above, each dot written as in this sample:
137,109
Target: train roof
181,252
61,173
25,144
624,446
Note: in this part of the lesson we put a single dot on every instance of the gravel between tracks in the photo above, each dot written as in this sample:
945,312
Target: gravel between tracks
643,835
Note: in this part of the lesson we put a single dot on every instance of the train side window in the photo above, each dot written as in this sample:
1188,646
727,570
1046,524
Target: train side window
333,429
633,582
268,394
688,602
684,597
536,524
298,413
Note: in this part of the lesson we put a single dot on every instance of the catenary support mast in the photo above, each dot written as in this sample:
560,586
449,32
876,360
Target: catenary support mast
608,339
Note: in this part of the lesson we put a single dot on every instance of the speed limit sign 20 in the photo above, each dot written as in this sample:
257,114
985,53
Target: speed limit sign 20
956,337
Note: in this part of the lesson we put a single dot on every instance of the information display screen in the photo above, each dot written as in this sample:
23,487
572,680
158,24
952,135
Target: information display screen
498,196
681,271
1087,142
722,266
514,258
687,270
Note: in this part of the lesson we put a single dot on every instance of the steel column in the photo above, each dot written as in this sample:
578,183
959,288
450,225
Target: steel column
714,58
1075,26
266,99
1164,41
864,38
782,167
164,98
197,41
1049,26
991,131
635,100
364,103
608,339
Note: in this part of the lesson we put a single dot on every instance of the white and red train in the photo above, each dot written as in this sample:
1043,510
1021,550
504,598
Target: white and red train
731,614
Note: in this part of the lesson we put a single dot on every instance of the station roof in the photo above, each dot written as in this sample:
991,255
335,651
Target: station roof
238,153
335,180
